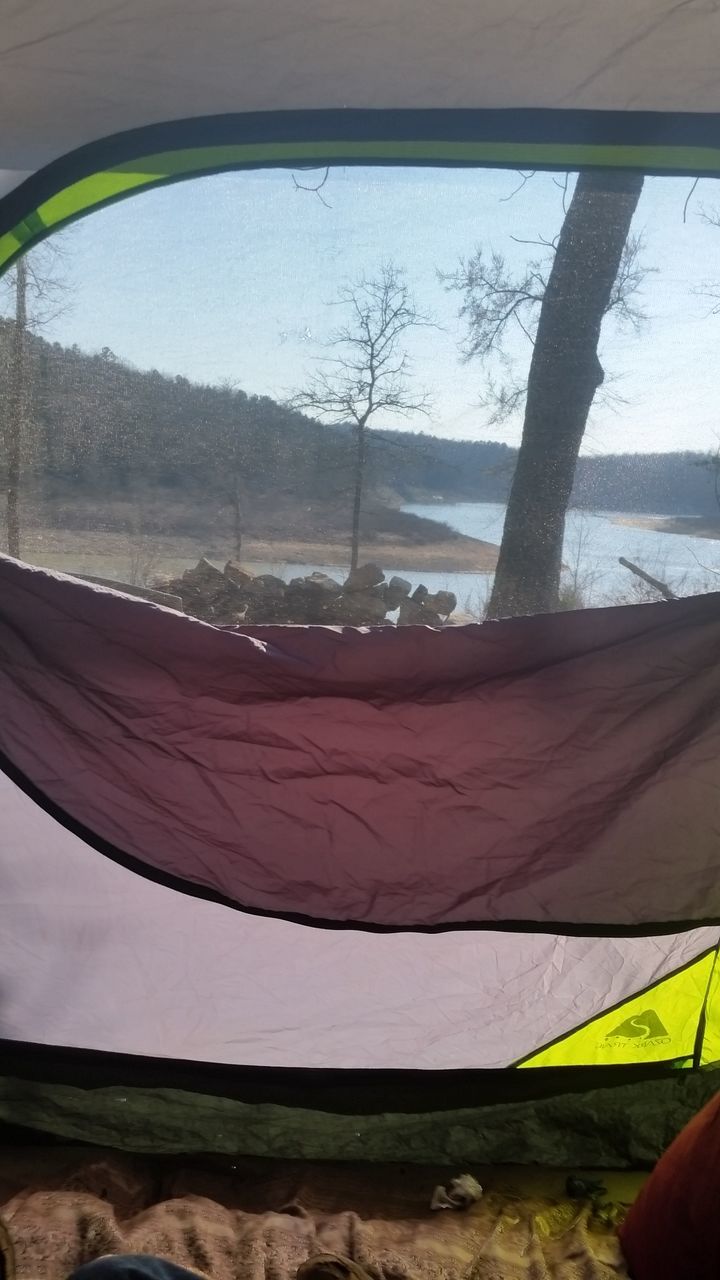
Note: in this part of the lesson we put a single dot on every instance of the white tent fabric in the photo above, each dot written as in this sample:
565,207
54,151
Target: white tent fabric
97,957
76,70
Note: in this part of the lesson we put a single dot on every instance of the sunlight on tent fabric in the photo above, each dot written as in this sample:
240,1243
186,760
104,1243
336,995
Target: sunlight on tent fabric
145,61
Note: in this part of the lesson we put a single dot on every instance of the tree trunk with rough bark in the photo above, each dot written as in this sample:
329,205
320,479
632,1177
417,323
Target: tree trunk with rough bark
565,373
14,426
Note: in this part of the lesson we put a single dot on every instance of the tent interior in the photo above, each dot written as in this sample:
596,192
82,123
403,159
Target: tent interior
359,697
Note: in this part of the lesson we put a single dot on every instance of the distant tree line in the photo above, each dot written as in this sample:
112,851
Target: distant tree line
101,427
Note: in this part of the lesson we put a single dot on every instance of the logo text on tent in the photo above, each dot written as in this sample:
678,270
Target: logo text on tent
641,1031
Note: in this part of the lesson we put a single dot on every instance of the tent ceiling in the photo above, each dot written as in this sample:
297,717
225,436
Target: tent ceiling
75,70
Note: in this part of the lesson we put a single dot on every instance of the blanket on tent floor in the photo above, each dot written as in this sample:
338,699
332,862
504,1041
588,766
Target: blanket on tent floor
253,1219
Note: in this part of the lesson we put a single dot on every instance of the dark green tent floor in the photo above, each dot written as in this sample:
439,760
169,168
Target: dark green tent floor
626,1126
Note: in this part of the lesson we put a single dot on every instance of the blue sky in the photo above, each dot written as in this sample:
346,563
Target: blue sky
232,277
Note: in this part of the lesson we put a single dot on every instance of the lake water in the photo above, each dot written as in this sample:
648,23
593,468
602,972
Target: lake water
593,543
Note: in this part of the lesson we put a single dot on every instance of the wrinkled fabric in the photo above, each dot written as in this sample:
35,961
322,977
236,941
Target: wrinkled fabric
96,957
540,770
253,1221
621,1127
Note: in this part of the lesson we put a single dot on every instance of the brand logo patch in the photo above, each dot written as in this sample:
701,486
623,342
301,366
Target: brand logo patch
644,1030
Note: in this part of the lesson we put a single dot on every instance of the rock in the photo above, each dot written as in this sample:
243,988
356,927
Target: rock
207,594
366,575
266,611
398,589
237,575
311,600
320,584
359,609
265,587
413,613
461,620
205,579
419,594
443,602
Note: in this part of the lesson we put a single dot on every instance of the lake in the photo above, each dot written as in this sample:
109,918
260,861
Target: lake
593,543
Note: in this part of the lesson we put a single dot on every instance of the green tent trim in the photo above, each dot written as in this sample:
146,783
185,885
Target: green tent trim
675,1020
117,182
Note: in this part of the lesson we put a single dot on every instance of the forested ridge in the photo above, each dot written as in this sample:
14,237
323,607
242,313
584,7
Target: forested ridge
98,426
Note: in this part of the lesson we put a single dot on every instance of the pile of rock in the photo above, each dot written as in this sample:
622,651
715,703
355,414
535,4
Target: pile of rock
232,596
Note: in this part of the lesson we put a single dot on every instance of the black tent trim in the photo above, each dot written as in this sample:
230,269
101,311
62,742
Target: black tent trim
340,1091
657,141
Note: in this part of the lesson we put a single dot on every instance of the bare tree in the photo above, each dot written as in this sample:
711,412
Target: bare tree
590,269
372,374
38,295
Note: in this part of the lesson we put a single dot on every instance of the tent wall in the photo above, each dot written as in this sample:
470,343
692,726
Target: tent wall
74,70
102,694
551,774
95,956
118,895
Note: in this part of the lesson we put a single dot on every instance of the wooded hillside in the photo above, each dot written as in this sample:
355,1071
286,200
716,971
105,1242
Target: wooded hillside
99,429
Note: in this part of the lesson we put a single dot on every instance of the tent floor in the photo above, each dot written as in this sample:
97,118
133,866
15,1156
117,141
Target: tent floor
251,1219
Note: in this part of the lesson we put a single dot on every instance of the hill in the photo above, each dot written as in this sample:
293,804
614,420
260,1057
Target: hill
113,450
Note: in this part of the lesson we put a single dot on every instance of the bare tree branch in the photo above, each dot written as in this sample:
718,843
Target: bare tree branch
495,301
706,567
524,177
661,587
47,286
688,198
563,186
300,186
541,242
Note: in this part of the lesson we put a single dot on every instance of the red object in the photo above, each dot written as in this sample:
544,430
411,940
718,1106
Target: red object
672,1231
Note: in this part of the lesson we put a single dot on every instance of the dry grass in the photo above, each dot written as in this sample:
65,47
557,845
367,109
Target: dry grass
690,526
128,558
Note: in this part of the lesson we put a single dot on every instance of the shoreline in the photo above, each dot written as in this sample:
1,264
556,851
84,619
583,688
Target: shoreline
689,526
463,555
104,554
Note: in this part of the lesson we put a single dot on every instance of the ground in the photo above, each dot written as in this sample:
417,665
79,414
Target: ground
139,557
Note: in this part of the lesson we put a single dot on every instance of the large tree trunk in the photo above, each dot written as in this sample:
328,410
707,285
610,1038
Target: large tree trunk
360,458
564,375
14,426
